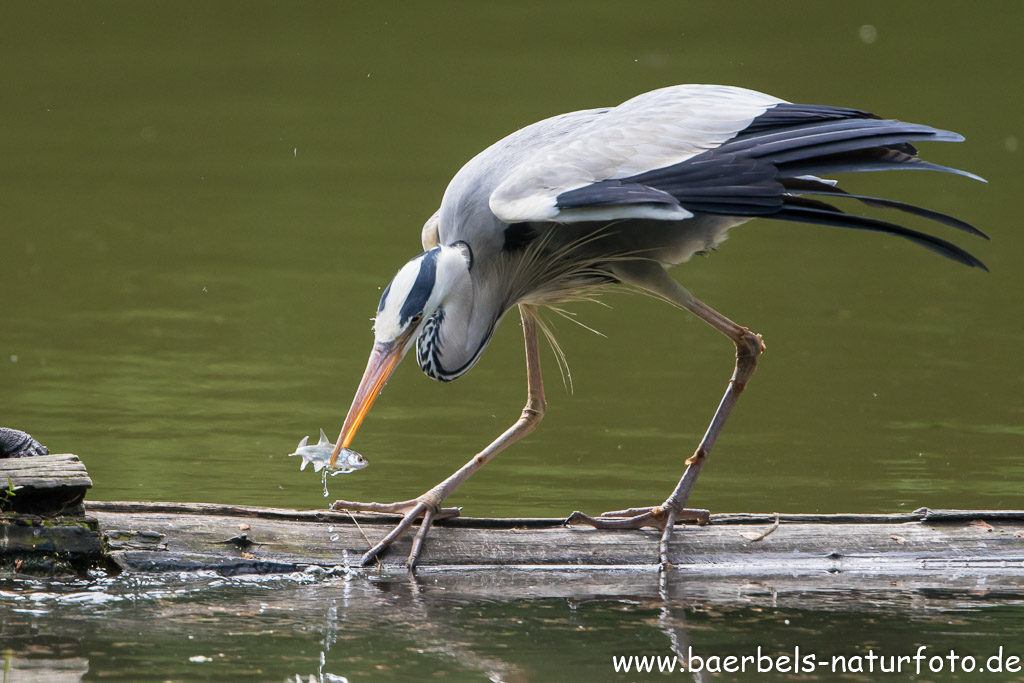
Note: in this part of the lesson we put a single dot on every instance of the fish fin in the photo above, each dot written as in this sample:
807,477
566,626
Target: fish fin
302,444
323,438
318,465
303,465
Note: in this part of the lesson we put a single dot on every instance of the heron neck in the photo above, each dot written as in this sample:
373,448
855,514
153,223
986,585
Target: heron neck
457,334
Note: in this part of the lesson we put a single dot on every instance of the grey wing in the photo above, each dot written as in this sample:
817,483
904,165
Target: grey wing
654,130
679,151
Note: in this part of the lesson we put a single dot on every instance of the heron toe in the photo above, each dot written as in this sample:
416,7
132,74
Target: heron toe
654,516
661,517
411,511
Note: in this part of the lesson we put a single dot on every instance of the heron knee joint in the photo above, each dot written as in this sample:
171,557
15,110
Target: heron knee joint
533,413
535,408
749,344
698,455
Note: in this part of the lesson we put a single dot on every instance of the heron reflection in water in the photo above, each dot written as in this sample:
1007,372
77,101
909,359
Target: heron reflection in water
566,206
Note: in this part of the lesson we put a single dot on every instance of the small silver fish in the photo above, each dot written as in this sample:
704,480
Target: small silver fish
320,454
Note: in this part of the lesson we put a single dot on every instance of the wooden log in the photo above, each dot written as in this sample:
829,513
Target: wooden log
52,485
237,539
49,545
42,523
923,547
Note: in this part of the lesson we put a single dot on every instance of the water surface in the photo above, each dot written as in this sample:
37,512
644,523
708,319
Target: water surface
484,626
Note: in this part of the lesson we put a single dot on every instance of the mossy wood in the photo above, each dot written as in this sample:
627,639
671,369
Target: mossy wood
47,545
51,485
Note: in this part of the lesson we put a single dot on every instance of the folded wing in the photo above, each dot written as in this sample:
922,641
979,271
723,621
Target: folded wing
678,152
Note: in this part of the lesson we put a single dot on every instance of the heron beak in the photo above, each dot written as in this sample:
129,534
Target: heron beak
384,358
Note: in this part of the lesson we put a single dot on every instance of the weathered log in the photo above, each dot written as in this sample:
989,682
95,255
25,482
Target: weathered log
49,545
234,539
52,485
42,527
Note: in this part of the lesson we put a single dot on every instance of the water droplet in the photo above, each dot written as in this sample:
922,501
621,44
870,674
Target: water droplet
868,34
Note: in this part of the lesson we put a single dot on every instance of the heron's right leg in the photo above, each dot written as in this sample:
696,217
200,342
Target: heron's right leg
428,506
749,346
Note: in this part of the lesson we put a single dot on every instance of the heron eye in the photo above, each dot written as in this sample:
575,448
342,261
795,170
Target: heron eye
416,319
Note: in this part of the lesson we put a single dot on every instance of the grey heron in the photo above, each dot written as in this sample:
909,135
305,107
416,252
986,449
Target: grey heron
573,203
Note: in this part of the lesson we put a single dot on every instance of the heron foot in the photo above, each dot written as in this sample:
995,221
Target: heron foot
663,517
411,510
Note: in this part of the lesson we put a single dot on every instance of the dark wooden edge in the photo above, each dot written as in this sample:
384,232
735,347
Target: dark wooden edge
342,517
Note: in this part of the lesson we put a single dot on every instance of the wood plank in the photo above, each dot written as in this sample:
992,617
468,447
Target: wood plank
44,484
233,539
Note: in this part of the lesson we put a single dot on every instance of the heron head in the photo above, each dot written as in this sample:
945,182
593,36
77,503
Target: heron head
415,294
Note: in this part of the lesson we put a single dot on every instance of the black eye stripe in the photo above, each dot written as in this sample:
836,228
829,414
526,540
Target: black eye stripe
421,288
383,298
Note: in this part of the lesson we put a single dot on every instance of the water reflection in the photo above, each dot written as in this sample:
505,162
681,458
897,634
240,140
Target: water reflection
498,626
33,669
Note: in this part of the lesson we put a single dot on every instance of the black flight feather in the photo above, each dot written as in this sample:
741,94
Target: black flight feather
760,171
807,213
805,186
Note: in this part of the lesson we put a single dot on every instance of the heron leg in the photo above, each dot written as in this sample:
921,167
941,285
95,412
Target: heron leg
748,347
428,505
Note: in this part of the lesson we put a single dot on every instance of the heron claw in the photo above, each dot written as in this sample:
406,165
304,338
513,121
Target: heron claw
410,511
661,517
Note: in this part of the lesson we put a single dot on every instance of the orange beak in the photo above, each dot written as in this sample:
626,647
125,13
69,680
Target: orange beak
384,358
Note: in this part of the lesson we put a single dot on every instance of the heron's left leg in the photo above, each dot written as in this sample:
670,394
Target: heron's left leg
748,347
428,506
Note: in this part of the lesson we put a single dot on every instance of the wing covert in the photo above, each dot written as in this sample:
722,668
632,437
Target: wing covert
653,130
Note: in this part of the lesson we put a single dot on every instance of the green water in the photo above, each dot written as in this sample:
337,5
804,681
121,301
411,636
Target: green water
442,627
200,203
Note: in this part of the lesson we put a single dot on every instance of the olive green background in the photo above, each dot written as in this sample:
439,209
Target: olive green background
199,205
